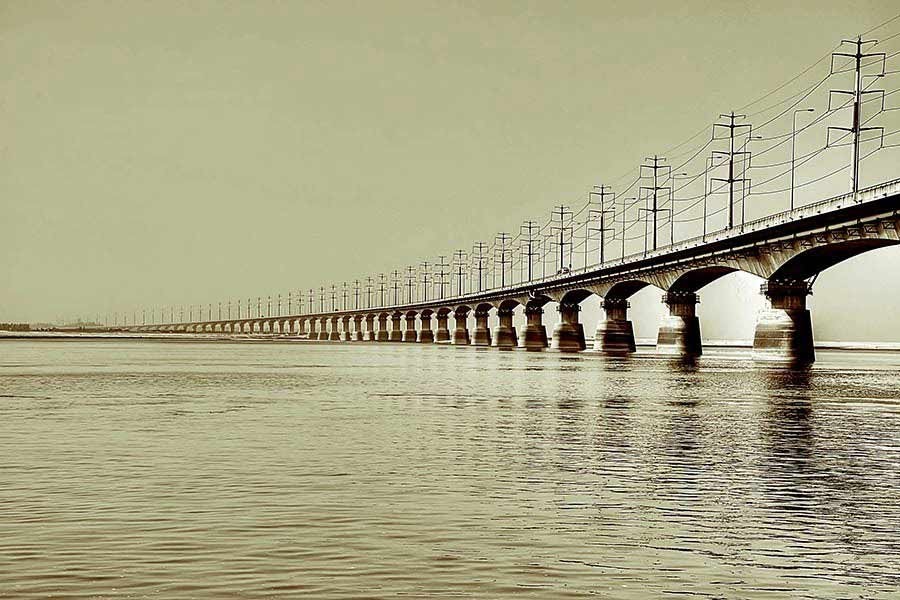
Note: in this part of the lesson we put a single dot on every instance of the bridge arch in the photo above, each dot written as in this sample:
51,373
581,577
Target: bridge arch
811,261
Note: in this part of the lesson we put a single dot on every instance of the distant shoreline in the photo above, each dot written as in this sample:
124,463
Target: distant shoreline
196,338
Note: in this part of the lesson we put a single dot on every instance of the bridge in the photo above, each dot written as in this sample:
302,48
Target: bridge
788,250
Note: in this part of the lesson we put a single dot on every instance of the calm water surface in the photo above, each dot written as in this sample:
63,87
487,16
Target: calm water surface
269,470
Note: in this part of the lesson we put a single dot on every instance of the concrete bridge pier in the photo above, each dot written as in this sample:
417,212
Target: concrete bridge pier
369,335
345,328
383,335
396,335
442,335
615,334
482,334
323,329
335,334
426,335
460,330
535,335
568,334
409,332
784,327
357,328
679,333
505,337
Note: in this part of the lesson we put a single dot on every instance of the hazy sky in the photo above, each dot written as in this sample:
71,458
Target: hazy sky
176,152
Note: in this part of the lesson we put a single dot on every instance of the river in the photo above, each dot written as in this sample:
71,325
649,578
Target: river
139,469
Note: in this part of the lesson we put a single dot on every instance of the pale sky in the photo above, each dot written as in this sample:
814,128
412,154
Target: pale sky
158,153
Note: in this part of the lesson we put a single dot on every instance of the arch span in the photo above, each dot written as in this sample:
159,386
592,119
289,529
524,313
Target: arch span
811,261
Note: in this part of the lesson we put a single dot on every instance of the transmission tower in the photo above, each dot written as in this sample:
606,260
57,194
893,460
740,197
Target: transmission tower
441,275
527,247
733,129
653,191
460,262
424,266
560,229
599,215
858,92
478,258
501,256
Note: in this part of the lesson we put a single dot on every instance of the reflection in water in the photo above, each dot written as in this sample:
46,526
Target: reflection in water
341,471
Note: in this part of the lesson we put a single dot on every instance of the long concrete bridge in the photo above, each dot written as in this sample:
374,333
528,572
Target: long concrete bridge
788,250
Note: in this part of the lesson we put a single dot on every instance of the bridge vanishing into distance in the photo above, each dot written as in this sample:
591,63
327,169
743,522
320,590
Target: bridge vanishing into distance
787,249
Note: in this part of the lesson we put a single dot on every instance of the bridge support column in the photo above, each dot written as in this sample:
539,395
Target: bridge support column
335,334
505,334
409,332
535,335
679,333
426,335
345,328
784,327
615,334
396,335
568,335
357,328
460,329
323,329
442,335
482,334
382,335
369,335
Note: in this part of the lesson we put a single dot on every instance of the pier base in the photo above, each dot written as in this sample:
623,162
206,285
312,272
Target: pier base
505,334
442,335
615,334
460,330
396,335
382,335
784,328
482,334
568,334
535,335
679,332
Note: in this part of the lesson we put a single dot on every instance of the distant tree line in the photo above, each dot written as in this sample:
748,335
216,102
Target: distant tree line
15,327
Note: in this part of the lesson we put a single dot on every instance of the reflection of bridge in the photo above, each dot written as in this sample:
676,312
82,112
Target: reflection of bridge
788,250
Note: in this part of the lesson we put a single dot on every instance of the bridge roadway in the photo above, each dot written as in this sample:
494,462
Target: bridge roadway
788,250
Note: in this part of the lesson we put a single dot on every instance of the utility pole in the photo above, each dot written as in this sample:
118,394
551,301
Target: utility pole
478,256
290,303
732,128
653,191
344,296
269,306
460,260
857,93
333,298
410,282
220,310
369,286
501,253
229,309
356,294
600,215
442,275
673,204
424,267
527,247
565,215
382,287
279,306
395,283
322,299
